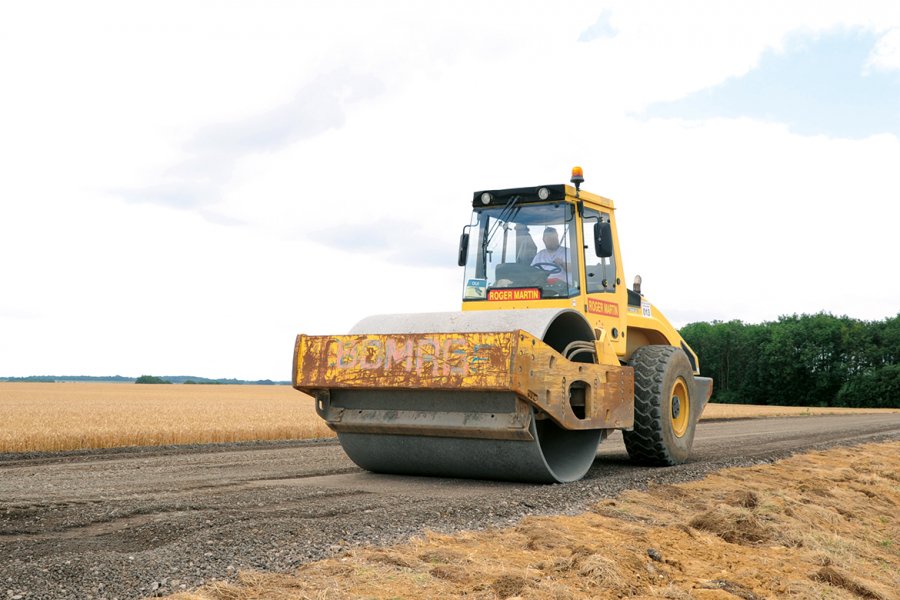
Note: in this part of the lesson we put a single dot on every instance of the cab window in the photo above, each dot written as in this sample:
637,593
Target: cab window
531,247
600,273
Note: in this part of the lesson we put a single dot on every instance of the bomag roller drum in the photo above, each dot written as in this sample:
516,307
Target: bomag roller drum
532,374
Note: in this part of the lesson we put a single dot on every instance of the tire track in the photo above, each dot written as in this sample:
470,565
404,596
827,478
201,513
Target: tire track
113,524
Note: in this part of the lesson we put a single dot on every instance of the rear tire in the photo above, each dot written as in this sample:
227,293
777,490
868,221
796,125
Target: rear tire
665,406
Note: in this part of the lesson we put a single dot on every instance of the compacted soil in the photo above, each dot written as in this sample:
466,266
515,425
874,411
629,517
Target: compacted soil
816,525
146,522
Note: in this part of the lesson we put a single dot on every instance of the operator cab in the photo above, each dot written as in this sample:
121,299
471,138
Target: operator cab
521,245
532,244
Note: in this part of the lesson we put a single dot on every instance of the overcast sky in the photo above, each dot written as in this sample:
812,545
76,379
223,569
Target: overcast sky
184,186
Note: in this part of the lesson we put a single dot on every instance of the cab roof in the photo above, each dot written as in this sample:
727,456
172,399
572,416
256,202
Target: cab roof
556,192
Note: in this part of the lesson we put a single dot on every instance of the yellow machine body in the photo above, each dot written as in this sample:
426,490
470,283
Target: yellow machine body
527,379
638,324
514,361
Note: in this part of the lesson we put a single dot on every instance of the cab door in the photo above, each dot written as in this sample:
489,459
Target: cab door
604,293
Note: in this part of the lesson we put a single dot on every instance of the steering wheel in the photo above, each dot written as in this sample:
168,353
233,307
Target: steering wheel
548,267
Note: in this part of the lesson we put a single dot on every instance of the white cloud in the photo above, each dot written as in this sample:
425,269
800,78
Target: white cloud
265,124
755,222
886,54
212,154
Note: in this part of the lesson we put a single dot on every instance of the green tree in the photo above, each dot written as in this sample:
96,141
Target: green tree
150,379
805,360
875,388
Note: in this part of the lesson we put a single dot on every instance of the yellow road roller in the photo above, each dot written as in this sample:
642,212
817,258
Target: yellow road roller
549,354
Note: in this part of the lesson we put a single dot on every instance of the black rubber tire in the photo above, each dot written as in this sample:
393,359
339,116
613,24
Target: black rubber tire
653,440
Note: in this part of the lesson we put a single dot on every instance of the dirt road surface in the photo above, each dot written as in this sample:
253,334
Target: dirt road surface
141,522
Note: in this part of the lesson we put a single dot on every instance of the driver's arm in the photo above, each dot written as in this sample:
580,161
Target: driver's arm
566,263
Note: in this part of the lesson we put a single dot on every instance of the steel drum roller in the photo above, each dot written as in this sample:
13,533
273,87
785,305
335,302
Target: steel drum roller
553,454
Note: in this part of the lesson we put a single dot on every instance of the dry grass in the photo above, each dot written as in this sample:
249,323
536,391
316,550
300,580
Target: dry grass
819,525
71,416
743,411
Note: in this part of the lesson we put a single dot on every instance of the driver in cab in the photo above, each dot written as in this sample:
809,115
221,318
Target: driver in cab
554,254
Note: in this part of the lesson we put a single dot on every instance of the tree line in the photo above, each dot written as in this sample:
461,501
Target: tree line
153,379
801,360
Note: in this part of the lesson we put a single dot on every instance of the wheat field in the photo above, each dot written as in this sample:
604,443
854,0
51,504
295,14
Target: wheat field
72,416
750,411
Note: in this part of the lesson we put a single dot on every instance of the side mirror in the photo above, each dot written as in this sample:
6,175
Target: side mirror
603,243
463,249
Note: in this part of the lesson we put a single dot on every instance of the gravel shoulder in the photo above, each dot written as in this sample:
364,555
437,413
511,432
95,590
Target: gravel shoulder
128,524
815,525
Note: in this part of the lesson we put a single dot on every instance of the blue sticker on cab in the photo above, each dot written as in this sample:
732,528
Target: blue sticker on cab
476,288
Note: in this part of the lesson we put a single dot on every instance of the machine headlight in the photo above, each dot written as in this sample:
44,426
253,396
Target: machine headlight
486,198
543,193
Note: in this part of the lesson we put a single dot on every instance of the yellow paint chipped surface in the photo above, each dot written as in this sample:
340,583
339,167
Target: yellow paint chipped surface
478,361
820,525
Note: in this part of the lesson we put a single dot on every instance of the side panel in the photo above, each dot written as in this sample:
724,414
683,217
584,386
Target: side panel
605,310
575,395
474,361
647,325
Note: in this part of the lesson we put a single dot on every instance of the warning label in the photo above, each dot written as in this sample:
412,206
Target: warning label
506,294
601,307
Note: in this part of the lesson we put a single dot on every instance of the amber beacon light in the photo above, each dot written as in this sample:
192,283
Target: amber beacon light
577,177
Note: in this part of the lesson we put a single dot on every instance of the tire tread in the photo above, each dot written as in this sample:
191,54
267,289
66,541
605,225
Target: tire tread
645,443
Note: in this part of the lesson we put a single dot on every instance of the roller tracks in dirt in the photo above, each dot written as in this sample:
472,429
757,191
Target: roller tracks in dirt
137,522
